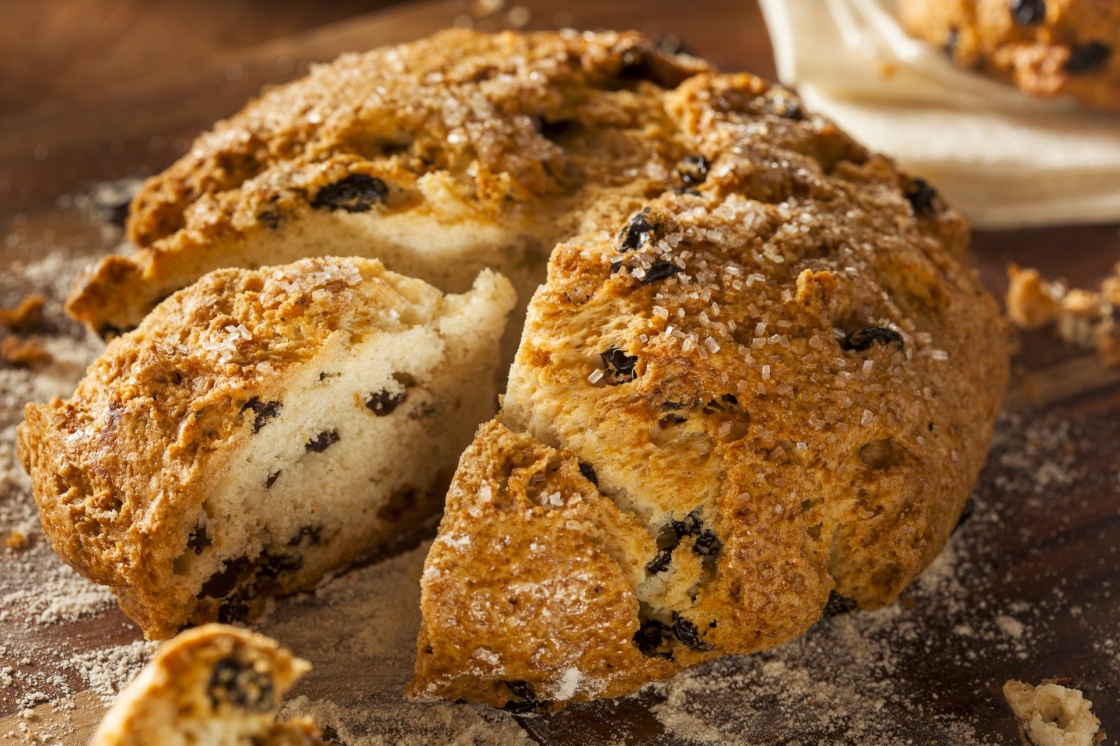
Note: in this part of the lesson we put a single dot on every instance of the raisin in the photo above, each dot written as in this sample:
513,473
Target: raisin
264,411
528,696
619,365
322,441
671,419
354,193
659,270
1087,58
272,479
951,42
730,399
785,107
837,605
222,582
650,636
687,633
313,534
661,562
588,472
920,195
636,65
689,526
693,169
383,403
861,339
241,685
270,219
199,540
673,405
1028,12
273,565
966,513
707,544
638,232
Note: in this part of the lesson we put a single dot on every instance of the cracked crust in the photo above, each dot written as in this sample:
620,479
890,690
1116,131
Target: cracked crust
1045,47
216,685
439,158
768,385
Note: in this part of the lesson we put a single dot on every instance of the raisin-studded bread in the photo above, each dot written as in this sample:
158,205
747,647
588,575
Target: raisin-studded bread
1045,47
211,686
439,158
760,394
262,428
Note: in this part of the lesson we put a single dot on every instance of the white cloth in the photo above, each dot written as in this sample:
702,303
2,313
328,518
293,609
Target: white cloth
1003,158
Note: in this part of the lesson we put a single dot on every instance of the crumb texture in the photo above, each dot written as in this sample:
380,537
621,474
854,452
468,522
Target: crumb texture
260,429
1051,714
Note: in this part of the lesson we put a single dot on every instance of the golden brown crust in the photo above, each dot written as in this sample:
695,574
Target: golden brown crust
1046,48
122,469
777,364
213,684
495,128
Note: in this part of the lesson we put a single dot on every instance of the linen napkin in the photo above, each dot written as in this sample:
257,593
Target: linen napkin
1002,157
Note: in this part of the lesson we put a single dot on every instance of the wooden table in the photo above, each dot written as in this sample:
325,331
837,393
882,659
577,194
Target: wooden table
95,90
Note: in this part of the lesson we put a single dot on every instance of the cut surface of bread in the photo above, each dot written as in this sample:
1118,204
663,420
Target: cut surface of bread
1051,714
759,396
212,686
439,158
260,429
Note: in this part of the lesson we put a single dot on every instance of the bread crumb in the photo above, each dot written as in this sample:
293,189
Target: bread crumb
24,353
25,317
1052,715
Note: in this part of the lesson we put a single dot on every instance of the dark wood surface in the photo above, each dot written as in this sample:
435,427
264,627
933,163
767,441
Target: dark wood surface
94,90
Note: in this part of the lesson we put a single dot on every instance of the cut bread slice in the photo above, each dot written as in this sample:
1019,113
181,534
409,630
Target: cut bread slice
212,686
260,429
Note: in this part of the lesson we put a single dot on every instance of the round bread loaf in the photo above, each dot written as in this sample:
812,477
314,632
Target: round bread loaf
758,394
214,685
440,158
1046,47
262,428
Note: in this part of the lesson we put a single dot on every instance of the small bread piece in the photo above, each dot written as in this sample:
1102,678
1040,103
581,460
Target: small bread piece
211,686
1052,715
440,158
1045,47
262,428
755,397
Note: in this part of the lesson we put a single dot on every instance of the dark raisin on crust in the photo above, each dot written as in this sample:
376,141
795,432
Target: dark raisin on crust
707,544
270,219
650,636
637,232
272,479
671,419
322,441
354,193
199,539
1088,57
240,685
588,472
661,561
693,169
689,634
966,513
1028,12
383,403
619,366
659,270
264,411
837,605
274,565
225,580
690,525
785,107
527,695
313,534
951,42
920,195
861,339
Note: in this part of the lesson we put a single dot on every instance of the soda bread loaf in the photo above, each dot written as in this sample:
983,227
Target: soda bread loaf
1045,47
760,394
439,158
260,429
211,686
